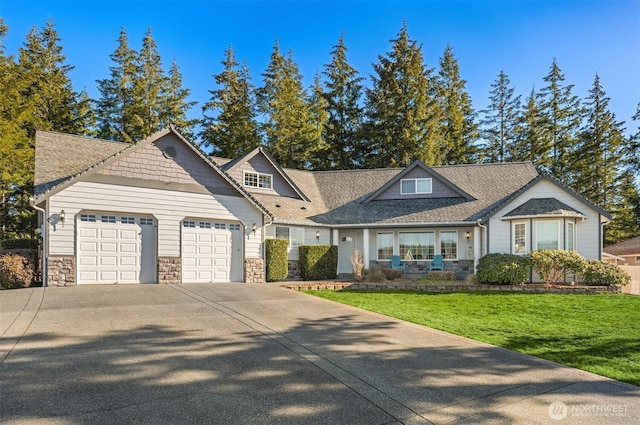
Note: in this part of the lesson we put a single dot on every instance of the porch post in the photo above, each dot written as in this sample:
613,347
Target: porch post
365,247
477,246
335,237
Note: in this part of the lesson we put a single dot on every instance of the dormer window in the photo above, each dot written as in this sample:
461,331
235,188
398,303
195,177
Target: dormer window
415,186
260,180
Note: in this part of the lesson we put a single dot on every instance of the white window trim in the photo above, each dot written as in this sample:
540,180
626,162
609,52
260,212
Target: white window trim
432,232
559,228
258,175
526,239
393,243
417,192
439,244
566,236
299,231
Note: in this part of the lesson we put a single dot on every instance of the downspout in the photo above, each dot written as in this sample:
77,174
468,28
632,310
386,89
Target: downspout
43,232
483,248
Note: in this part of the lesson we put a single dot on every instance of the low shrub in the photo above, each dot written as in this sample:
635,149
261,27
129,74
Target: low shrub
552,265
503,269
441,275
16,271
374,274
318,262
600,273
277,259
392,274
358,265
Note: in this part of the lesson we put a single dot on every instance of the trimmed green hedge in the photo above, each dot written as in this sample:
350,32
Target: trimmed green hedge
277,259
318,262
11,244
503,269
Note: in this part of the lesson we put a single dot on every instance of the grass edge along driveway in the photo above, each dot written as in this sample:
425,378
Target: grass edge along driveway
595,333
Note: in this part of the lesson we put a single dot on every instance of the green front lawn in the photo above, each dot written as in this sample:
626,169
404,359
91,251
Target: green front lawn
596,333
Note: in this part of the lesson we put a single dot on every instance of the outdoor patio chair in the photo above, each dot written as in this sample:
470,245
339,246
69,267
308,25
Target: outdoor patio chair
437,263
395,264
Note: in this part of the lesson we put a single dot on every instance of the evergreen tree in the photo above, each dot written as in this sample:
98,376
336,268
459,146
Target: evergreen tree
632,148
625,210
289,129
598,158
150,90
561,118
530,143
458,127
116,108
401,114
232,131
343,91
176,104
16,148
318,115
500,122
48,90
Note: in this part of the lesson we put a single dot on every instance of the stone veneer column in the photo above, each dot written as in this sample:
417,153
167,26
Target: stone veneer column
169,270
254,270
61,270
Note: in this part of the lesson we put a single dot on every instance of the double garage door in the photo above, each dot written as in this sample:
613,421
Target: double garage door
122,249
116,249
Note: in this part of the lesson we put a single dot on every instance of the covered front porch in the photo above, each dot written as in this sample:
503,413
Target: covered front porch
460,246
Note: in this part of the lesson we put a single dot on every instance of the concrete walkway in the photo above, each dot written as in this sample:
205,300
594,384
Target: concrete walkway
260,354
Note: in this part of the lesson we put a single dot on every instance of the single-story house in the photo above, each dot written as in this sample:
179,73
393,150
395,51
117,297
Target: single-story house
162,211
624,252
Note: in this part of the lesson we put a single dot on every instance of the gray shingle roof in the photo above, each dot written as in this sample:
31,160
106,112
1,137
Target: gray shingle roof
544,207
627,247
60,156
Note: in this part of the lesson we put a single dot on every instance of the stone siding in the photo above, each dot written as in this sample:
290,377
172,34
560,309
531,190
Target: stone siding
61,271
254,270
294,270
462,268
169,270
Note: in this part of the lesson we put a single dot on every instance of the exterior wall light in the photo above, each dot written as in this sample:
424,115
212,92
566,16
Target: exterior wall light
468,235
63,216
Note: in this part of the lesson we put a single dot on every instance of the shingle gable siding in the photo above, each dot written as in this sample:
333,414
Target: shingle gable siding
260,164
438,188
149,163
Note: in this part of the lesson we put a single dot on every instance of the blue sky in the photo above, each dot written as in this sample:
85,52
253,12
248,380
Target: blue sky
520,37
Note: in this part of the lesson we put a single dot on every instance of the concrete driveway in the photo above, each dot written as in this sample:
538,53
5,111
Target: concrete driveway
260,354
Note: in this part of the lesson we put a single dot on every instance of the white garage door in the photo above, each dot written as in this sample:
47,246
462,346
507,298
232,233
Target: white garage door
208,253
116,249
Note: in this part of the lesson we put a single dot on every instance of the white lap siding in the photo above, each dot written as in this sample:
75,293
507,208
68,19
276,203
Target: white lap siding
166,206
587,231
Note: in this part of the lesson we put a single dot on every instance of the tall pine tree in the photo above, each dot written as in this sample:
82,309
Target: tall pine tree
561,115
500,122
530,144
318,115
401,114
342,131
458,125
229,125
598,159
116,108
16,148
176,103
290,134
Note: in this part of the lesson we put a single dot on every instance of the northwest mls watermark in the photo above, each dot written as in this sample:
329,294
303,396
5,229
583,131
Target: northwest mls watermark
559,410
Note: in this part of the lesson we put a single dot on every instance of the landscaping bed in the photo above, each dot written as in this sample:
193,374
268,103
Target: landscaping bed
450,286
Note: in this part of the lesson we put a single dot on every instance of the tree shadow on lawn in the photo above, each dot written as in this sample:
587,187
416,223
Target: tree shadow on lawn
337,369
